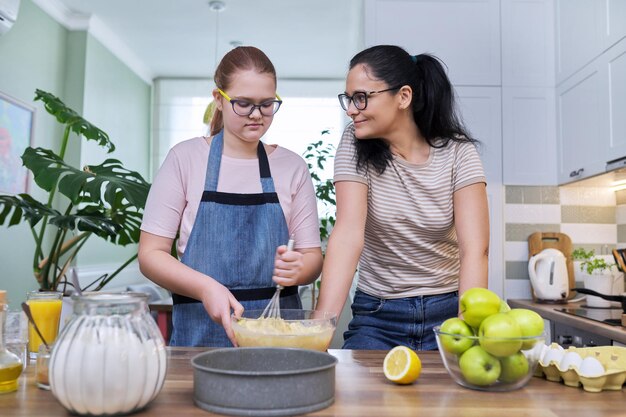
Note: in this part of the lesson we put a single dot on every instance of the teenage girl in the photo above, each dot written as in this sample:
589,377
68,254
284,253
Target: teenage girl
235,202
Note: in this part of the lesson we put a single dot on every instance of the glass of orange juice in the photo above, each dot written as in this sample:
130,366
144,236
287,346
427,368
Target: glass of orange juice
45,307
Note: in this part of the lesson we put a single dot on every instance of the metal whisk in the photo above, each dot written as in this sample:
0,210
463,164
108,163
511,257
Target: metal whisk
272,311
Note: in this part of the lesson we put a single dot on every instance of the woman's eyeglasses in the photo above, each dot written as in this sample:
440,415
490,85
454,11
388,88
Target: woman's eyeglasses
245,108
359,98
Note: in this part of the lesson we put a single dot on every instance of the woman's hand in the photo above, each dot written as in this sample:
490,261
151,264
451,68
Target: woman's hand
218,301
288,267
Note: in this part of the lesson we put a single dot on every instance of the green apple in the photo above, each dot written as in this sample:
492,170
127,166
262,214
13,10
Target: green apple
499,334
477,304
504,307
514,367
479,367
456,326
531,324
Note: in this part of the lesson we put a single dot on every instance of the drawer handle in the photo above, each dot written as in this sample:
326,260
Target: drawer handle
576,173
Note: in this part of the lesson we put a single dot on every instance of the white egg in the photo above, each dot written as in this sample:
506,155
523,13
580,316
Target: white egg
571,360
553,356
536,354
591,367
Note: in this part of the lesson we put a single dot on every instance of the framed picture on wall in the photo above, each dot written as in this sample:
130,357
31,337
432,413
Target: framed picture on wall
16,134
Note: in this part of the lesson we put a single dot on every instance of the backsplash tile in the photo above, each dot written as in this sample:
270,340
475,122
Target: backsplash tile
516,270
588,214
583,234
621,234
550,195
520,232
594,218
532,213
531,195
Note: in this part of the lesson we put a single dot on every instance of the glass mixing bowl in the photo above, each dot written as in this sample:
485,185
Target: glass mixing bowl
511,367
306,329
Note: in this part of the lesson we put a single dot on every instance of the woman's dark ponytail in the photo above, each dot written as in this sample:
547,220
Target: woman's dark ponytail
433,103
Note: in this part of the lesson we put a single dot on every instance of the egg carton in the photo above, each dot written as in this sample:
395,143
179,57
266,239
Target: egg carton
580,366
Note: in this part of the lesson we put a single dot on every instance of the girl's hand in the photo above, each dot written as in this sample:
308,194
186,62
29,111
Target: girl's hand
218,301
287,267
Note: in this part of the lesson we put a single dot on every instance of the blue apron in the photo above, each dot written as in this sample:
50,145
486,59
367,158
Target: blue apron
233,240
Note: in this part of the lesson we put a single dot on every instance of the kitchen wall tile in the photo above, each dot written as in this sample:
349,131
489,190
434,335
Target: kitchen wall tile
620,214
516,251
588,214
532,195
620,197
532,213
514,194
520,232
516,270
587,196
590,233
517,288
621,233
550,195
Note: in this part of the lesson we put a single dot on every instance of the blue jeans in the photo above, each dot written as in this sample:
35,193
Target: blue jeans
382,324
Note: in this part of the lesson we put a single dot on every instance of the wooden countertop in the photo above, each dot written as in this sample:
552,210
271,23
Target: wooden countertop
361,390
548,311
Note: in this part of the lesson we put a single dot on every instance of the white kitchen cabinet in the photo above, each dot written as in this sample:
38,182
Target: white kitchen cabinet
614,64
481,111
614,29
529,150
465,34
579,26
528,56
582,124
528,103
586,29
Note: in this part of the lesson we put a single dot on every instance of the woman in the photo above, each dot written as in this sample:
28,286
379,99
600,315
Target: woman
234,202
411,203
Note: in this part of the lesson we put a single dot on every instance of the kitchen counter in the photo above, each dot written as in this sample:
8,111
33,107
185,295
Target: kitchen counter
361,390
547,311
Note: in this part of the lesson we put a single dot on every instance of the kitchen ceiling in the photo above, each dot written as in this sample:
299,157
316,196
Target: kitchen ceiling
311,39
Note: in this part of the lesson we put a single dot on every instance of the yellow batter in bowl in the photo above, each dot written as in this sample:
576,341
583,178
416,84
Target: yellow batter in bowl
295,328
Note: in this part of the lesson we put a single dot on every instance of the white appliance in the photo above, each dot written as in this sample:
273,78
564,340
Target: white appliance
548,275
8,14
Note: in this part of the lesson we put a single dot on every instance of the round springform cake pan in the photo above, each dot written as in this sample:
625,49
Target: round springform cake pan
263,381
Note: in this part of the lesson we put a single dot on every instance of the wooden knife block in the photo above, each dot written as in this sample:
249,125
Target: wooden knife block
539,241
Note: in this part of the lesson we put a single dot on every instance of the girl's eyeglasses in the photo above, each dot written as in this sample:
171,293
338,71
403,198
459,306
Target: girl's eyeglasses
359,98
245,108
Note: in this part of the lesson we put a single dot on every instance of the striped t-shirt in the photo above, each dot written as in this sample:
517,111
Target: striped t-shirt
411,246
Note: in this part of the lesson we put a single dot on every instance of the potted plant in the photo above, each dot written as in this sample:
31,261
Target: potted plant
317,155
597,274
104,200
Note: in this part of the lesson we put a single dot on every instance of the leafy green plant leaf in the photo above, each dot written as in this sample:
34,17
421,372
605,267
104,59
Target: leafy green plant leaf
69,117
23,206
94,183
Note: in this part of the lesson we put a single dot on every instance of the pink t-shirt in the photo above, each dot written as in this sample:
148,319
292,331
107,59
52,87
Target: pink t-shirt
177,190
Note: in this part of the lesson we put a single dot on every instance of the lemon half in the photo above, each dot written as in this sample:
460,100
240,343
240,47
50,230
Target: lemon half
402,365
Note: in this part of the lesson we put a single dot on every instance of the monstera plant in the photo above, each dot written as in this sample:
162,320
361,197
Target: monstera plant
105,200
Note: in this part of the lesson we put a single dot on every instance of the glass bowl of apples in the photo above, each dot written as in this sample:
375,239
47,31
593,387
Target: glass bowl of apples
491,348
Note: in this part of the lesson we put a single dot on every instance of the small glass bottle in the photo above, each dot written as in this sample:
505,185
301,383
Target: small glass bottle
10,363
